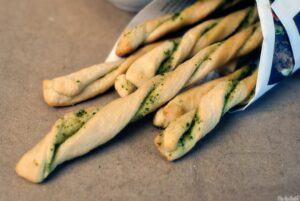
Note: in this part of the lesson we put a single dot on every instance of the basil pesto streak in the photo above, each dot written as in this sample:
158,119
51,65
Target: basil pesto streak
66,127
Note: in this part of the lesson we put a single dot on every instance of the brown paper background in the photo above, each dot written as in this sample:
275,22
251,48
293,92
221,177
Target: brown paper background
251,155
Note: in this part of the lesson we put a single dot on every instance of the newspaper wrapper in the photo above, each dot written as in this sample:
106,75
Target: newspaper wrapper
280,22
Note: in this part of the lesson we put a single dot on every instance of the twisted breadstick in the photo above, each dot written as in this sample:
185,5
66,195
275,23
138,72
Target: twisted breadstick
112,118
171,53
151,30
190,99
88,82
221,28
43,158
40,161
183,133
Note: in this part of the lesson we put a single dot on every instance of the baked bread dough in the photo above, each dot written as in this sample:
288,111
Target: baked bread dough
87,82
190,99
171,53
184,132
151,30
111,119
40,161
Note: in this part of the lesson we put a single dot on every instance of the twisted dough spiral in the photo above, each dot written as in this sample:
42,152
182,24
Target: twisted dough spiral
190,99
151,30
184,132
112,118
87,82
171,53
40,161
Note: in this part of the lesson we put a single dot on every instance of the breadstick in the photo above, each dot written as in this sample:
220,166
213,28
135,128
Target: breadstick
171,53
112,118
183,133
151,30
88,82
190,99
39,162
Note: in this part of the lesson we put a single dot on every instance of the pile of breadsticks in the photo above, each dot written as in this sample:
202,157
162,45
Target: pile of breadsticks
219,36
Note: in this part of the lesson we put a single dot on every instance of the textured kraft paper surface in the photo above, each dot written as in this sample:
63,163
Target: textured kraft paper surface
251,155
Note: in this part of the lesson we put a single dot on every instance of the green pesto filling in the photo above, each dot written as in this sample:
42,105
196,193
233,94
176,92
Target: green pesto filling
226,4
248,19
245,73
251,95
80,113
151,99
187,135
146,105
208,28
175,16
230,90
205,58
67,126
165,65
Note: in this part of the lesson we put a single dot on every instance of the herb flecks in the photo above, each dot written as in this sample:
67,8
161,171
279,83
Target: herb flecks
187,135
229,94
150,101
208,28
175,16
246,71
166,64
249,19
206,57
81,113
67,126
